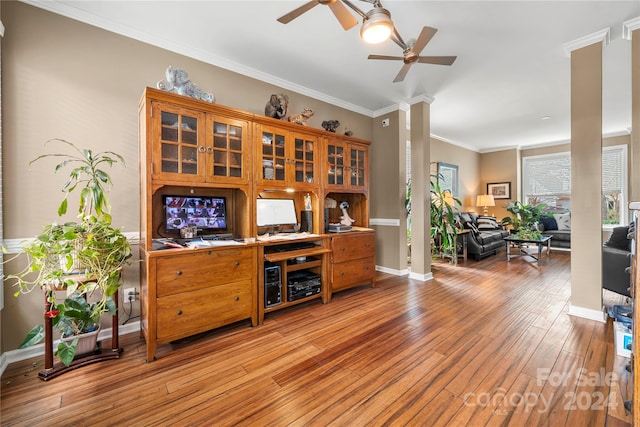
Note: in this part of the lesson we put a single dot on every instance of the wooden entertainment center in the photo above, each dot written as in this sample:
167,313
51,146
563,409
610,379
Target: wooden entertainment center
193,148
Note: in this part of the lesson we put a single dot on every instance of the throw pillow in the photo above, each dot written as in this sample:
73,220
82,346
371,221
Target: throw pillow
487,223
473,228
474,217
618,239
464,216
549,223
563,221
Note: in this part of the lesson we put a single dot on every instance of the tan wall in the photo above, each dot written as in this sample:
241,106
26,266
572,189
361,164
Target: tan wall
387,190
500,166
468,163
65,79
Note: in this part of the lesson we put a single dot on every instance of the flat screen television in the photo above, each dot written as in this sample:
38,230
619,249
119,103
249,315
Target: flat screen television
207,213
275,212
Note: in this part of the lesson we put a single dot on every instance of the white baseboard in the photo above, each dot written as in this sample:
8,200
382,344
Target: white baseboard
588,313
18,355
422,277
392,271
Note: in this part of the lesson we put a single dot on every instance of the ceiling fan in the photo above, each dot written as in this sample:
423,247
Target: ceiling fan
411,52
346,19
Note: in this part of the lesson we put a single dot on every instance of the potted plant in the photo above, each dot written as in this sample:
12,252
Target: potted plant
442,209
89,246
524,219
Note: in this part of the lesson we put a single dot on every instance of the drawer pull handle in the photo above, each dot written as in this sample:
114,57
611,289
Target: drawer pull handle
179,312
342,273
366,267
237,298
342,249
201,149
179,272
237,263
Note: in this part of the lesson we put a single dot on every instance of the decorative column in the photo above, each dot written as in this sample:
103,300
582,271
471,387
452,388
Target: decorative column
586,175
420,190
631,31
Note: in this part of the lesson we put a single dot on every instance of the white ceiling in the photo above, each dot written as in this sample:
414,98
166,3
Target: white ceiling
512,68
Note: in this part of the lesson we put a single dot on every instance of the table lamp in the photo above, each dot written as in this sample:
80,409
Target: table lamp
485,200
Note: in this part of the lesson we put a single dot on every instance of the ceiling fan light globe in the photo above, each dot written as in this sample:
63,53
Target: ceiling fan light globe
377,26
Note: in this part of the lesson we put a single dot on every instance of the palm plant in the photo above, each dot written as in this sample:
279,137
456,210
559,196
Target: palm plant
443,230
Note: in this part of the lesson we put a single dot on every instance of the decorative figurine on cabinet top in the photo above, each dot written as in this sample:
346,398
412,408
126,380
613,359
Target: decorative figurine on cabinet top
277,106
301,119
330,125
177,81
345,219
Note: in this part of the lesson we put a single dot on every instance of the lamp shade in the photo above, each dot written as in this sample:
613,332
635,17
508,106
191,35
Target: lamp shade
376,26
485,200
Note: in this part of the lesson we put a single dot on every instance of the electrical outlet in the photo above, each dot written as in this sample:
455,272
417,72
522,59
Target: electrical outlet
129,293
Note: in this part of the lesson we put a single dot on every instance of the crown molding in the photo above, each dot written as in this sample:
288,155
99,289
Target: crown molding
420,98
602,36
199,54
629,26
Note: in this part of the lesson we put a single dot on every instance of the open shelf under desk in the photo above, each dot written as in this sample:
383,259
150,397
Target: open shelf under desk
282,256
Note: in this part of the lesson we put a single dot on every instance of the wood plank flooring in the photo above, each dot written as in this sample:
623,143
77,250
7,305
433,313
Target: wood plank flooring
485,343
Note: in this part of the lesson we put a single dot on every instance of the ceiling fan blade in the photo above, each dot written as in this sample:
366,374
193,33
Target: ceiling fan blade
403,72
346,19
285,19
398,58
438,60
425,36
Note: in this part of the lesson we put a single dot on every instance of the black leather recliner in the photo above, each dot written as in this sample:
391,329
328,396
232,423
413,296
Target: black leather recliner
616,260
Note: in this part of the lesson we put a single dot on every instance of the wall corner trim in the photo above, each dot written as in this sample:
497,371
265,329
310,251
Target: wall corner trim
603,36
629,26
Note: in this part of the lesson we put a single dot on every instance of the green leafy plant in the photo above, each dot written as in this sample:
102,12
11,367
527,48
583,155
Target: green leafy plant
442,210
90,245
523,216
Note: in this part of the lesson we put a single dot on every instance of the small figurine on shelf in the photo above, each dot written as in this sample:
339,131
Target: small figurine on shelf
178,82
277,106
330,125
345,219
301,119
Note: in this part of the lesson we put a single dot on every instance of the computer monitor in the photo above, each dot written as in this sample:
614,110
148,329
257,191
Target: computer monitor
207,213
275,212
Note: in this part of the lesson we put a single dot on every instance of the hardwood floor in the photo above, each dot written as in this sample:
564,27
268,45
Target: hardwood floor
484,343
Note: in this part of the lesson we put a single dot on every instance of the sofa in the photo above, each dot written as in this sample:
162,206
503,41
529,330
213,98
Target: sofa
485,235
558,226
616,260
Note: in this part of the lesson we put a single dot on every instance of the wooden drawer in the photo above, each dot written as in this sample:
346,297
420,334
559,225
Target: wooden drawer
353,273
353,246
193,271
198,311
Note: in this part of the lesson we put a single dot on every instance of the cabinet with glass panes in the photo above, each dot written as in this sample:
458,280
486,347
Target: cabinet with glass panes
195,146
347,165
286,157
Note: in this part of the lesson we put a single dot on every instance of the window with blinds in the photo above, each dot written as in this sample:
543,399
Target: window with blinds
547,179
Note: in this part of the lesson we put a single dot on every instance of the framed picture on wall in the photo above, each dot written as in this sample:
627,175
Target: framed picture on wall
499,190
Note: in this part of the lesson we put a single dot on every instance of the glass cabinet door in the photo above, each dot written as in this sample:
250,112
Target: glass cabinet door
304,160
228,160
273,157
336,164
357,167
179,148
